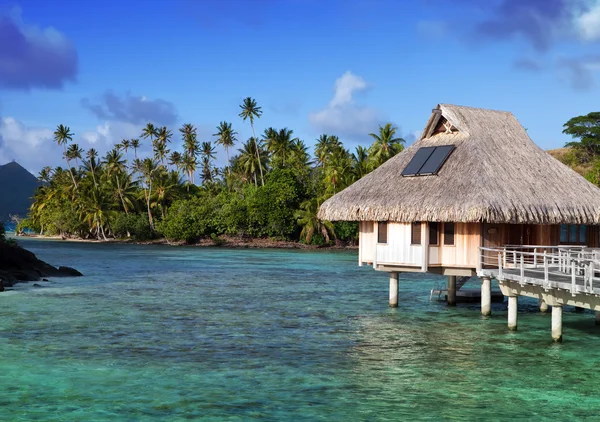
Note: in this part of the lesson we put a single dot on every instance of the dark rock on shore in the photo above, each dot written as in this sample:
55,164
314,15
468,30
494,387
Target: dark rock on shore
18,264
69,272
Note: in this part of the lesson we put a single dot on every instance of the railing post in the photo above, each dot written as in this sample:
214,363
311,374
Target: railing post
592,277
500,266
573,275
545,270
504,257
480,259
522,268
534,257
514,259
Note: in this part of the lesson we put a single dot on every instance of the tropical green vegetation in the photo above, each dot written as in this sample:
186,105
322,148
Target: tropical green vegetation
270,187
583,153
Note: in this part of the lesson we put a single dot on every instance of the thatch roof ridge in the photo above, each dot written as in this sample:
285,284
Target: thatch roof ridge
496,174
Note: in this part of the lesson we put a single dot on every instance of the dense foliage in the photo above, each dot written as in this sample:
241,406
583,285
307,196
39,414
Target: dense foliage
584,153
271,188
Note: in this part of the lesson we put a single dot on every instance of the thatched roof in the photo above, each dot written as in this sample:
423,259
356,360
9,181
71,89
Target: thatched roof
496,174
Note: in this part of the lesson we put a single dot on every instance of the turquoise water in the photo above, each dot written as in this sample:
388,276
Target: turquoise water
170,333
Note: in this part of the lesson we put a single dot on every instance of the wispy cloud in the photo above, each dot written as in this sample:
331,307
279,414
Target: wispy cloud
131,109
343,116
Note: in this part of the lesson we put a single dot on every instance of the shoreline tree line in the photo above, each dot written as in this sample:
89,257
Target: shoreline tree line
272,186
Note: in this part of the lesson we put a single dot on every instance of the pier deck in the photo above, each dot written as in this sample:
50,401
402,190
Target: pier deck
557,276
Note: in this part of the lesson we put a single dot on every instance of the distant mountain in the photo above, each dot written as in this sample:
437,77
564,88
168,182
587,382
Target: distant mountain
17,186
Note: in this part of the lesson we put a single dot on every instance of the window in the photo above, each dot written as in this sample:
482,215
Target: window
434,235
415,235
382,232
449,234
573,234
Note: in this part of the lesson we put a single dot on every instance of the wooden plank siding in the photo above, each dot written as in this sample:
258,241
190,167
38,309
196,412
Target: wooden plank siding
468,237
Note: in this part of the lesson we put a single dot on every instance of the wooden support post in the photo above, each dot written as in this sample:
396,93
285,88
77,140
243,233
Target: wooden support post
486,296
394,290
451,290
557,323
543,306
425,246
512,312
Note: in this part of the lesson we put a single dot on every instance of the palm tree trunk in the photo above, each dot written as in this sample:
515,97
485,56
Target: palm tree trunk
121,195
150,219
69,165
228,163
262,180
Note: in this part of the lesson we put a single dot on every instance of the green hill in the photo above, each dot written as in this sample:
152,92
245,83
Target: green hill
17,186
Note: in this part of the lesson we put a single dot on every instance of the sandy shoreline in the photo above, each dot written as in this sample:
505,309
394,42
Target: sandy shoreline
223,242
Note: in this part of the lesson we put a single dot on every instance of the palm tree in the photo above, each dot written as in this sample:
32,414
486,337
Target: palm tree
386,145
146,168
325,146
191,148
360,162
166,189
283,145
45,175
91,164
149,131
208,154
161,151
74,153
115,166
250,110
175,159
125,145
226,137
248,159
306,217
135,144
62,136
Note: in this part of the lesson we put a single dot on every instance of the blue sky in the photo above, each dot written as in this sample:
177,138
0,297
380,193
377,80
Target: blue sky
316,66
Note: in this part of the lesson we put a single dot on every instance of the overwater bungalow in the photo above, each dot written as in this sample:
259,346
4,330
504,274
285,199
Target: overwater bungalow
472,190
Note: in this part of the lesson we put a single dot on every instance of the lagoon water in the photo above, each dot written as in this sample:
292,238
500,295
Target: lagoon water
183,333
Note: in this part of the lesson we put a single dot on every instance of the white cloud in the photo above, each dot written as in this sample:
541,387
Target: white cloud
343,116
33,148
588,23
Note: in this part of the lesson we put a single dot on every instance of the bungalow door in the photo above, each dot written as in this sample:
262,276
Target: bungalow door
522,234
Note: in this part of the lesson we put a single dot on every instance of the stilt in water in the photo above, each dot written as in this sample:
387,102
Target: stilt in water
394,290
557,323
451,290
597,317
486,296
512,313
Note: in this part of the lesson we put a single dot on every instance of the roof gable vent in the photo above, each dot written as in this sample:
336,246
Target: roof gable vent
444,126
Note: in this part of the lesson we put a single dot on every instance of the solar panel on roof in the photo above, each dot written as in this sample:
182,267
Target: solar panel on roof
415,164
428,160
436,160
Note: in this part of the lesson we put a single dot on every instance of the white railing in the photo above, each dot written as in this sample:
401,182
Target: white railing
545,265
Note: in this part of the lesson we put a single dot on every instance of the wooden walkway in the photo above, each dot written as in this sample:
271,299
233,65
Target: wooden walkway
555,275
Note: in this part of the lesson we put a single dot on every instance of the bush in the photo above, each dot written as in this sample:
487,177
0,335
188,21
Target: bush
346,231
271,207
136,225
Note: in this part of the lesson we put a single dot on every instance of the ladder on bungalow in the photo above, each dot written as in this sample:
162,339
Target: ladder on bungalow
441,288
